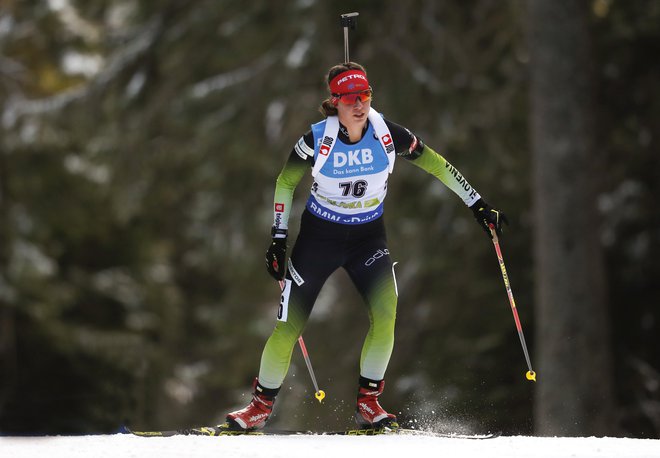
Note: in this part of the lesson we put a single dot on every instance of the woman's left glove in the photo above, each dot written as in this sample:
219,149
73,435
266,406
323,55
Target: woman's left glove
276,255
487,215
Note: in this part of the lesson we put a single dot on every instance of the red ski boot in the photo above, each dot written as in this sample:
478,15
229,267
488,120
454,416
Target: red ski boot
369,413
256,414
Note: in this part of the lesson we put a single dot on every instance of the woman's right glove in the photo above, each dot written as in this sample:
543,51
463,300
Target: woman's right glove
276,255
487,215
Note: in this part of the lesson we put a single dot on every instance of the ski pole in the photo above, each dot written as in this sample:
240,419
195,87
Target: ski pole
318,394
531,375
348,20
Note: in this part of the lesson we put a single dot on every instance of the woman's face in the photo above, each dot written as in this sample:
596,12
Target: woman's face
352,110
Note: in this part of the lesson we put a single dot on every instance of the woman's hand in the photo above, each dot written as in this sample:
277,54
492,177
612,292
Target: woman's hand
487,216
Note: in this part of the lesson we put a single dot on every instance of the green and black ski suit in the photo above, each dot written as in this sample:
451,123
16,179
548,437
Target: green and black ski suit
342,226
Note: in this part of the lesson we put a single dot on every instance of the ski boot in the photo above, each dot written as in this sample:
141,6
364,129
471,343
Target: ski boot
256,414
369,413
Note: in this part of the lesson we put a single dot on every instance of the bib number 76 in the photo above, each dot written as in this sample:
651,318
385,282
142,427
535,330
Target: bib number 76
356,188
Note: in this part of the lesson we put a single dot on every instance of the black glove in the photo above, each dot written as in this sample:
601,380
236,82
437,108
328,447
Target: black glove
276,256
487,216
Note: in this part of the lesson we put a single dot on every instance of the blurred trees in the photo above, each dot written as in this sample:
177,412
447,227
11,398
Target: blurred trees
572,320
139,148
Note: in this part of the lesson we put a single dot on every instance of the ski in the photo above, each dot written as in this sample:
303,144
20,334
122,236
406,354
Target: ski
212,431
224,430
404,432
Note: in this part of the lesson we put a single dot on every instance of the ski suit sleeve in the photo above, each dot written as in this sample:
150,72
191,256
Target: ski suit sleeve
294,169
440,168
410,147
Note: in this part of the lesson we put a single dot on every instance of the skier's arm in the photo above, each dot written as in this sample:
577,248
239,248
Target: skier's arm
287,181
296,166
410,147
439,167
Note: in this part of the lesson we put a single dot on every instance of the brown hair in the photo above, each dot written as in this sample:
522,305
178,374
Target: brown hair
327,108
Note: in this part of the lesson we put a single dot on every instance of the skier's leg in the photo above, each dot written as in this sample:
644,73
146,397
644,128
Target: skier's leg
310,265
296,304
373,274
307,273
313,258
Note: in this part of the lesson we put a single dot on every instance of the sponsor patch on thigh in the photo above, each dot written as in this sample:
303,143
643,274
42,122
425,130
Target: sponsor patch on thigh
376,256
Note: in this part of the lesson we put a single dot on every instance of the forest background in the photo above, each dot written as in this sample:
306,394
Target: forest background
139,146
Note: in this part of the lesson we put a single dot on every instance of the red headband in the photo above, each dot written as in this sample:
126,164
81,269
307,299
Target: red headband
349,81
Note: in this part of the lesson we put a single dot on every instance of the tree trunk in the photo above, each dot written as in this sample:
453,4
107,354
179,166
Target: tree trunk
7,321
574,392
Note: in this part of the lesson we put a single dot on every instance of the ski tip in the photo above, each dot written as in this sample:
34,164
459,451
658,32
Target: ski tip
146,433
126,430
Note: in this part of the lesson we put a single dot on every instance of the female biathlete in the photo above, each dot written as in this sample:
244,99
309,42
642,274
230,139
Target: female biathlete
351,154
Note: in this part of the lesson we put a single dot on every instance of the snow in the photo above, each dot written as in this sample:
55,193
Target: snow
124,445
